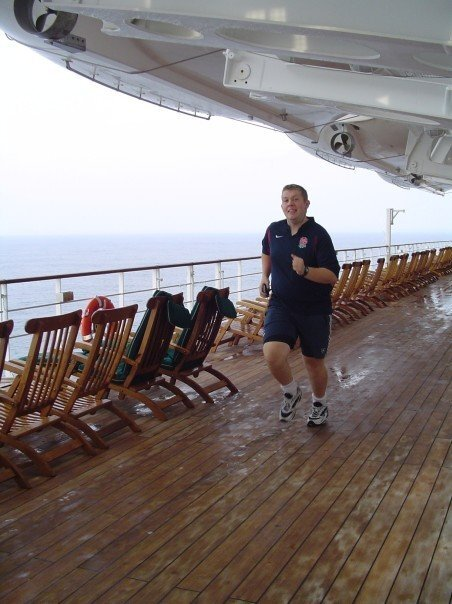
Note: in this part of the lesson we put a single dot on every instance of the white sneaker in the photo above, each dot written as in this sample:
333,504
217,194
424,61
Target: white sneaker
318,415
290,401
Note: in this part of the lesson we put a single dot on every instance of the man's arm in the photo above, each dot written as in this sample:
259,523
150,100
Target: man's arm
318,275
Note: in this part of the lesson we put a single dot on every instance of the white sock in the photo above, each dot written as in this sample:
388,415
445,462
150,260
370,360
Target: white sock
290,388
319,399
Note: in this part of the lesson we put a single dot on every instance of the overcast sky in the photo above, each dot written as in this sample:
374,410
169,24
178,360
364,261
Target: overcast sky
76,157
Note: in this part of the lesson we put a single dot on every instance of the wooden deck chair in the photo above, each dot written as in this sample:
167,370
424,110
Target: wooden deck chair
445,266
446,262
249,322
27,408
440,263
387,278
344,303
186,360
85,388
224,335
428,276
12,469
364,307
416,269
339,314
397,288
140,368
436,262
411,280
391,287
416,274
367,292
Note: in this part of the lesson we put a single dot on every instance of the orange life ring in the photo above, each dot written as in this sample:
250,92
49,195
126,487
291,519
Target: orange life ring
99,302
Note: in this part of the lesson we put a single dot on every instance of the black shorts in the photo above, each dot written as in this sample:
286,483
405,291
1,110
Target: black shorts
284,325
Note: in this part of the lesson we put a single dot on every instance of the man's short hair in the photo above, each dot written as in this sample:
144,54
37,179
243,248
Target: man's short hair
302,190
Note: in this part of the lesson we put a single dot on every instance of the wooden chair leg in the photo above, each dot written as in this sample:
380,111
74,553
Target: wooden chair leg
76,436
43,467
13,471
81,426
222,378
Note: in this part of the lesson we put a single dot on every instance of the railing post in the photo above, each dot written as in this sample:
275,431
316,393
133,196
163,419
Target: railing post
4,310
239,279
58,296
218,276
121,290
190,285
156,279
4,302
390,215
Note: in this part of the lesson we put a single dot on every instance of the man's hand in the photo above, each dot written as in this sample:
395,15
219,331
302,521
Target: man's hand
298,264
264,288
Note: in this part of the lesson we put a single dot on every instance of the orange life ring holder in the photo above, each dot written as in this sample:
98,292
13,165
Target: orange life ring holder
86,327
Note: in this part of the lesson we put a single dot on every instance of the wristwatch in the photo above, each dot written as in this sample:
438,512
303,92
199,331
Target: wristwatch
306,271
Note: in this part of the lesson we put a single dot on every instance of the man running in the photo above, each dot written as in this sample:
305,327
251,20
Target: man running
299,255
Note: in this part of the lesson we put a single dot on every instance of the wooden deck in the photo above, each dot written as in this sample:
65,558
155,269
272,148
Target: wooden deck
225,504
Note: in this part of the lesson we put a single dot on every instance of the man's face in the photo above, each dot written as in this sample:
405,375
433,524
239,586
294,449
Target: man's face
293,205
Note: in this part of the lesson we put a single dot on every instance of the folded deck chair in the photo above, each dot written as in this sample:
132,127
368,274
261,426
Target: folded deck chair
250,320
248,323
367,293
84,390
27,407
12,469
186,359
339,313
140,369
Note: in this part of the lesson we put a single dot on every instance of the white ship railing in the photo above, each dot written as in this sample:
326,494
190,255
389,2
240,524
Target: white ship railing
27,297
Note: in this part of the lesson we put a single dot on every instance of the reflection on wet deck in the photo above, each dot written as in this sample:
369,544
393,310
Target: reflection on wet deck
224,503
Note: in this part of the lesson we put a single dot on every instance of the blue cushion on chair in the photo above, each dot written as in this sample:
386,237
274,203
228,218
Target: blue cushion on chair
178,315
168,361
226,307
132,349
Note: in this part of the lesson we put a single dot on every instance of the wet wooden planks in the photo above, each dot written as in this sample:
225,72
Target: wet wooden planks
224,503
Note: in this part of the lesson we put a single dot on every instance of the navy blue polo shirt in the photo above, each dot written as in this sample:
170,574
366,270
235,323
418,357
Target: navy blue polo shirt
312,243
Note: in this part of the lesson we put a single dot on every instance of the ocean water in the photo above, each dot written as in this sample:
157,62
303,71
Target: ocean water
31,256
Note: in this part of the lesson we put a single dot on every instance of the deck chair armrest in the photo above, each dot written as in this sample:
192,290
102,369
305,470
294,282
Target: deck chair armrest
129,361
83,346
7,400
245,314
254,304
178,348
67,381
15,366
76,363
